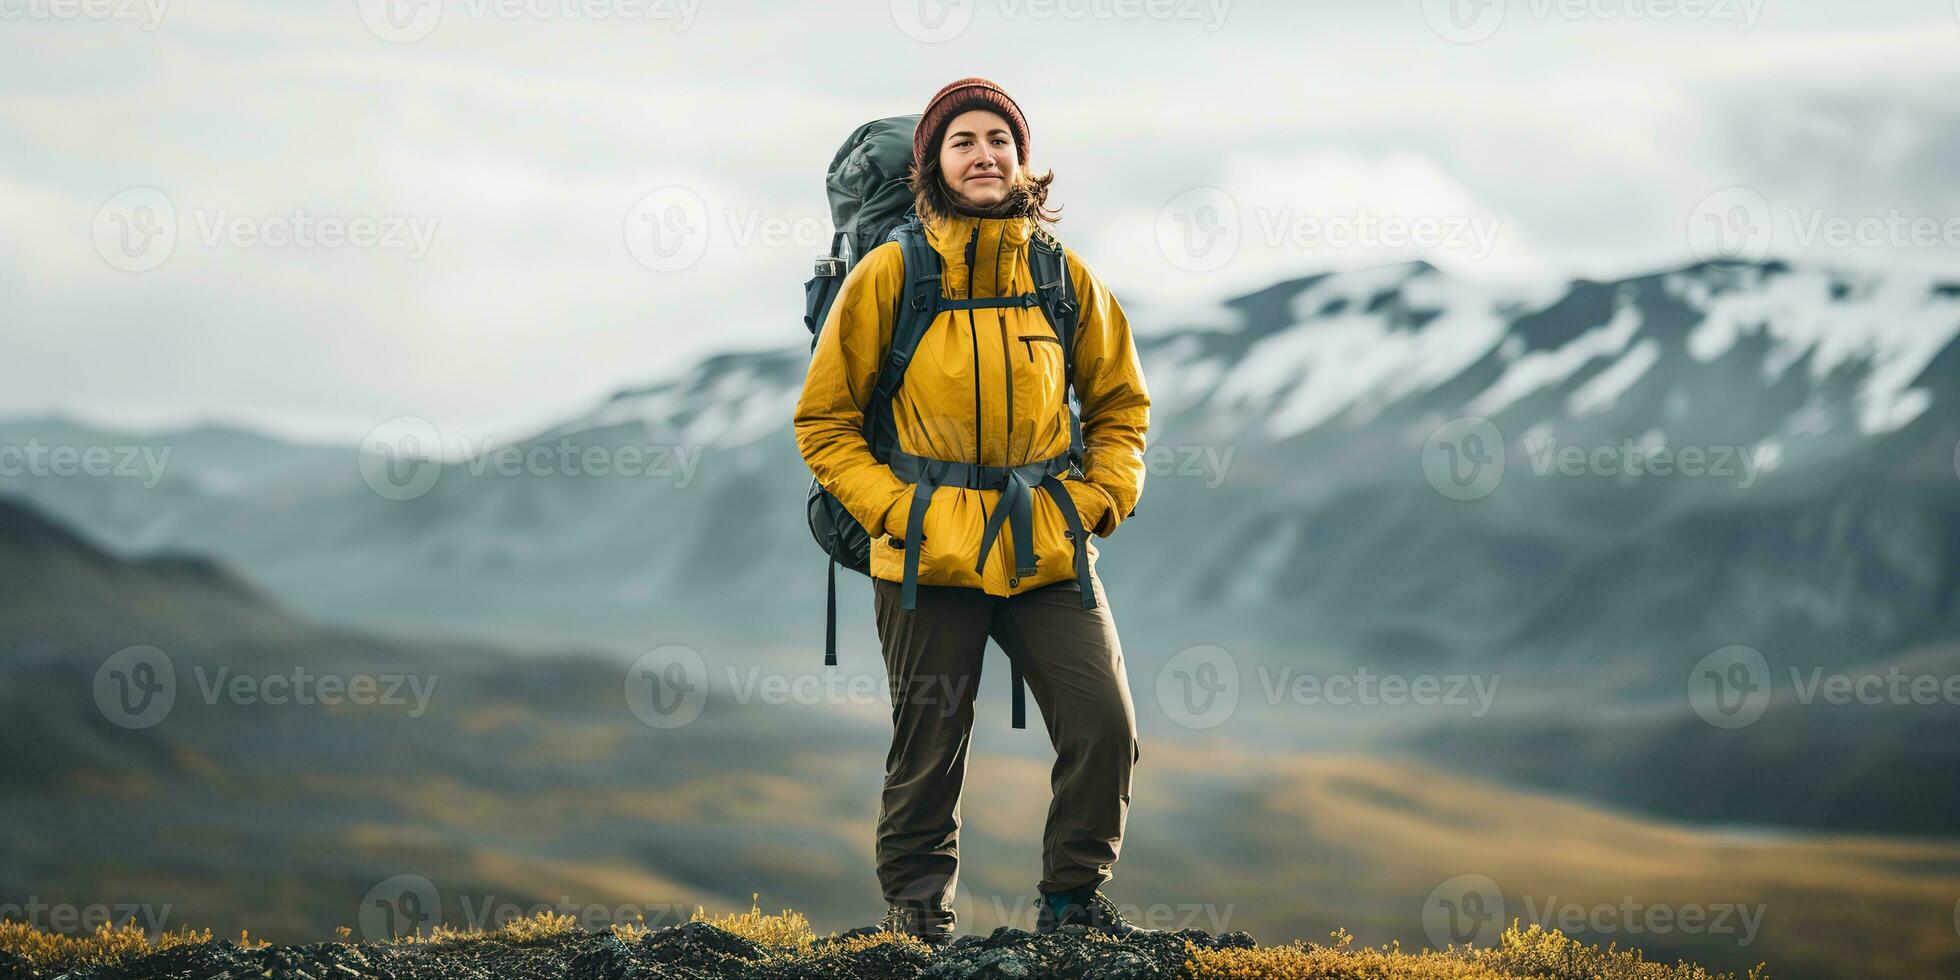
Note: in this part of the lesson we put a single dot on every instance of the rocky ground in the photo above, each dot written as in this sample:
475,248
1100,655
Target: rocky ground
694,951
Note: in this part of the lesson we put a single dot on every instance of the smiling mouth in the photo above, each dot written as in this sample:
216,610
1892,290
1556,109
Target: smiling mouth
984,177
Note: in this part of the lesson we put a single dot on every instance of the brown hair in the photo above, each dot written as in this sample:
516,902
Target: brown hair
934,200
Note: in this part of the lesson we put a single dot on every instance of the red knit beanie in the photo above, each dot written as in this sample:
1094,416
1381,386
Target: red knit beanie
967,93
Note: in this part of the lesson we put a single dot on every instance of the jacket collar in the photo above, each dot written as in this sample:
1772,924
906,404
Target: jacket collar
999,254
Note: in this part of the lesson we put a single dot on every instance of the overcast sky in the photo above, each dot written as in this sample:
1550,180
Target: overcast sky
491,173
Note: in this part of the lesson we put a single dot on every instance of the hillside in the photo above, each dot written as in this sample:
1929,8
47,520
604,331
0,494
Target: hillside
525,782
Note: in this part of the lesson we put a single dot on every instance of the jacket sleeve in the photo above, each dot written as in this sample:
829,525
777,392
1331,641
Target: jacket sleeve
830,413
1115,402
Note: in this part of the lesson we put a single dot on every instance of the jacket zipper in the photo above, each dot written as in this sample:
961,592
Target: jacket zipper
1006,362
973,334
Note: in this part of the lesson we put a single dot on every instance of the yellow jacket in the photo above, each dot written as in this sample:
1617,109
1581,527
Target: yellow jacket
985,386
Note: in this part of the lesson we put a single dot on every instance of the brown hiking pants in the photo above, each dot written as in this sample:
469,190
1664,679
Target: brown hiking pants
1073,665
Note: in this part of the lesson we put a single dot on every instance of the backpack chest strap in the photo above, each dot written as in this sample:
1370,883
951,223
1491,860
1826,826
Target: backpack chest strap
1023,301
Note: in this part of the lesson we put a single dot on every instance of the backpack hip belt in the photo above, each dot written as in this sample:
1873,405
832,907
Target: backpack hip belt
1016,508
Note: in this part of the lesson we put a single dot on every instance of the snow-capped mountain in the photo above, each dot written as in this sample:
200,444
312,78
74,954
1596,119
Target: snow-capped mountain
1293,503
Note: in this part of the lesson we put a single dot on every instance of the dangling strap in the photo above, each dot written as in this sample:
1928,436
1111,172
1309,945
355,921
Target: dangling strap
1016,507
915,532
830,620
1066,504
1020,693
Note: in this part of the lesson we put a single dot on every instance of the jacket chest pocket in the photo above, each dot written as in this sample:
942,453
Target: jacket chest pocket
1040,374
1037,340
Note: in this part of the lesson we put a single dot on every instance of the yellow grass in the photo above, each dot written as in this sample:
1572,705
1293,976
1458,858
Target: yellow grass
108,945
1532,952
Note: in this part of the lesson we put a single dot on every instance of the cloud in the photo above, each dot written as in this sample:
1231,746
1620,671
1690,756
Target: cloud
529,142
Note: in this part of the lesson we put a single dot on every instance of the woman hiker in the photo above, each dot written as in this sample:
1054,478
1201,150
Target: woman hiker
986,388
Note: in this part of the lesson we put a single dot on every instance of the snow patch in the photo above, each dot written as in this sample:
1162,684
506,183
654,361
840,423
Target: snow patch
1542,369
1897,324
1604,389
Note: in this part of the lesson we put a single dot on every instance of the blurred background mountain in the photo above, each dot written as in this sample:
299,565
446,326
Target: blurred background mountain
1301,517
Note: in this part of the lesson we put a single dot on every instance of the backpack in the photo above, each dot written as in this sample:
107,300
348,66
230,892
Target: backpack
869,206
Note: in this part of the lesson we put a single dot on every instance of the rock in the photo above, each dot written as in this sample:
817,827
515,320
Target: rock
14,968
698,943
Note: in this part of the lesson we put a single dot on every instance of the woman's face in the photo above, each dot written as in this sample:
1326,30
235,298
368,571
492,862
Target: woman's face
977,158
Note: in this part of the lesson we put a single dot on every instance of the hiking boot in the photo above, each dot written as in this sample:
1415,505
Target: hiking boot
915,922
1085,907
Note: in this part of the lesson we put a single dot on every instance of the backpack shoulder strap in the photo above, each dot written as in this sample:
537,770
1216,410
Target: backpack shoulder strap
918,306
1056,291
